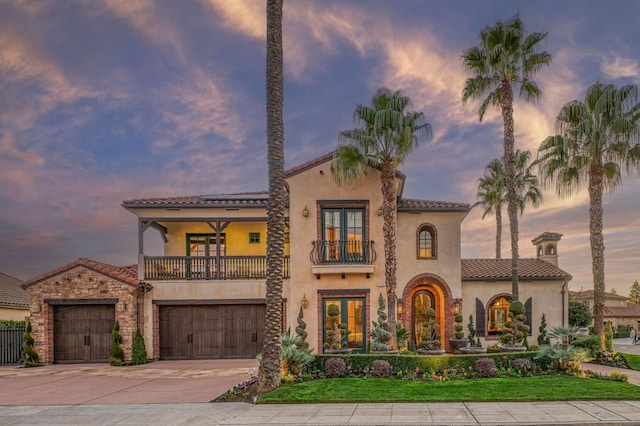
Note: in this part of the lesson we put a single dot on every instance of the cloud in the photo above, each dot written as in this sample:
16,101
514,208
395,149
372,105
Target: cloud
619,67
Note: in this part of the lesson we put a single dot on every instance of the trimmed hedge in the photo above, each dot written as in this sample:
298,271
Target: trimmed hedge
361,364
12,325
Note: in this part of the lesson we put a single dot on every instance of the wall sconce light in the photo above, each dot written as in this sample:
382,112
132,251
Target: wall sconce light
380,211
400,309
35,308
305,211
304,302
457,306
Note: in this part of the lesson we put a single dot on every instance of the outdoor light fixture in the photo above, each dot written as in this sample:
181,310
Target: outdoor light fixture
305,211
380,211
399,308
457,305
304,302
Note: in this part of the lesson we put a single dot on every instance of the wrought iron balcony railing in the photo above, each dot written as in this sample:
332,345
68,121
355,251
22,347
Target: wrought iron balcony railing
342,252
165,268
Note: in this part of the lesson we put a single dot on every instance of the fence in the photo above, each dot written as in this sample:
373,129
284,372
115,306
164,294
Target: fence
11,345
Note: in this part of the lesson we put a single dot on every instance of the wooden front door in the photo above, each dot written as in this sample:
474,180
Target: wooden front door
211,331
82,333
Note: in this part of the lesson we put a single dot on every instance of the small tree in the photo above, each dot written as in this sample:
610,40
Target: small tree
31,356
472,333
634,293
139,350
608,337
380,335
579,314
515,330
301,331
335,332
117,354
543,338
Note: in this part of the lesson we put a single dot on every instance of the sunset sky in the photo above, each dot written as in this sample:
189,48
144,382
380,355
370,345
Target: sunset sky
105,101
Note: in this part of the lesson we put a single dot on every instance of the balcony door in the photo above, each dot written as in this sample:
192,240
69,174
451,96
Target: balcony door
202,249
343,235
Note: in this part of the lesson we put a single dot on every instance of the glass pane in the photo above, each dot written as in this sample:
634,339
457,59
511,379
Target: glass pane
422,301
425,244
354,233
497,316
355,322
332,234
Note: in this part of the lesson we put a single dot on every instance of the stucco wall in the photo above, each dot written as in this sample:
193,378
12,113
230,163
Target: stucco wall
16,314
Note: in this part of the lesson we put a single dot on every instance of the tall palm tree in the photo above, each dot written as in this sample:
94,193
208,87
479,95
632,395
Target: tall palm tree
269,371
386,132
595,138
505,57
492,190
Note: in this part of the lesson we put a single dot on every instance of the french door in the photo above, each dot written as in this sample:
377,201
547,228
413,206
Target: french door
352,313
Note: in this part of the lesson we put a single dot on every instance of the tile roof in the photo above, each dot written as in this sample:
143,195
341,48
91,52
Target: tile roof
243,199
11,294
500,269
309,164
631,311
588,294
127,274
410,204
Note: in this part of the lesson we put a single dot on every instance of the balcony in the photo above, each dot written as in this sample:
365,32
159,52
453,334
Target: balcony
172,268
342,257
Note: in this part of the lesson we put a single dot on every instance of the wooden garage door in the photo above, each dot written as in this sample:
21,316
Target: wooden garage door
206,332
82,333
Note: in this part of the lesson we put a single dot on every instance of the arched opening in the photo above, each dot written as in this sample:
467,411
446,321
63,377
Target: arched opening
422,300
497,315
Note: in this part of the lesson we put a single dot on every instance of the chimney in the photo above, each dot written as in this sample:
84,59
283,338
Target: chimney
547,247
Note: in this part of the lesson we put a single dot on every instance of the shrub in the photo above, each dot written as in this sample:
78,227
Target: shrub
486,367
592,342
31,356
301,331
380,335
494,349
543,339
335,367
459,334
139,350
472,333
381,368
117,354
12,325
521,364
608,337
294,356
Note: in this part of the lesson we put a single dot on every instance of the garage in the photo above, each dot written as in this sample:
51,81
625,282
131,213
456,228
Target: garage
82,333
211,331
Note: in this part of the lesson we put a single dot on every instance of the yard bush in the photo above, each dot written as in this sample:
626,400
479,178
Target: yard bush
592,342
486,367
12,325
335,367
381,368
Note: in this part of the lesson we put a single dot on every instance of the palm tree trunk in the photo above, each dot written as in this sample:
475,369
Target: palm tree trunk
509,167
389,216
597,247
269,371
498,232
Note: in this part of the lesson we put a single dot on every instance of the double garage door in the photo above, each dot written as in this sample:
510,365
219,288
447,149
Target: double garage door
82,333
211,331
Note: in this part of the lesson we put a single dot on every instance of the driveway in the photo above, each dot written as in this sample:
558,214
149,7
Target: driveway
100,384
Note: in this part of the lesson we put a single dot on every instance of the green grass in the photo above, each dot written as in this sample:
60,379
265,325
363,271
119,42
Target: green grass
541,388
633,361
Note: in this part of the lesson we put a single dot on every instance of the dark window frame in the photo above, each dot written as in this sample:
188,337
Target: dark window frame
431,229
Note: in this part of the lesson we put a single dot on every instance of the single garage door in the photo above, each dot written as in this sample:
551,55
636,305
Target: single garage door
82,333
211,331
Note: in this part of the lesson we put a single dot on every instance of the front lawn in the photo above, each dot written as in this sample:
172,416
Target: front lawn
633,360
540,388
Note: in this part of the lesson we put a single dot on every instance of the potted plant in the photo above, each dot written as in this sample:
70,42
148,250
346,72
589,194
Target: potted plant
475,347
430,345
335,332
458,340
515,330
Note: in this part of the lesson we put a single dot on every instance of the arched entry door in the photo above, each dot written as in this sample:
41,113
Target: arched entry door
421,301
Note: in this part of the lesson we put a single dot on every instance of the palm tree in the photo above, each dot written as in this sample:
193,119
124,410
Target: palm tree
492,190
594,139
269,371
505,57
385,134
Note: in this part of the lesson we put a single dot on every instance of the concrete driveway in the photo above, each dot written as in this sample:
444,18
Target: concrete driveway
100,384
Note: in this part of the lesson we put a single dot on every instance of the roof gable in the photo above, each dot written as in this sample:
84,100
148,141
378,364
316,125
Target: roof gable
126,274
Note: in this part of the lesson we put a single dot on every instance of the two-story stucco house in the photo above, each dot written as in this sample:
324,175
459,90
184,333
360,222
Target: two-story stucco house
204,297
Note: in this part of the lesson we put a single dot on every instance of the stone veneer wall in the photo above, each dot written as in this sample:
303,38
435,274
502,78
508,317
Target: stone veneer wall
77,284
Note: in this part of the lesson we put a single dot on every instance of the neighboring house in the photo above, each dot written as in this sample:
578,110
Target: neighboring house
205,296
617,308
14,301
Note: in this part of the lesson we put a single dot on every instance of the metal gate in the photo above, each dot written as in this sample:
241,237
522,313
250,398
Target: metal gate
11,345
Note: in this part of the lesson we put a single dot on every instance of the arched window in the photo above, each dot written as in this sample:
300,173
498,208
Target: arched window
550,249
498,310
427,242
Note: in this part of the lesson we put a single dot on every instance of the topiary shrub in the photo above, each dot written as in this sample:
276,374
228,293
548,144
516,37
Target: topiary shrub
117,354
380,335
301,331
335,332
139,350
543,338
486,367
31,356
459,334
335,367
381,368
472,333
608,337
515,330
